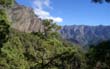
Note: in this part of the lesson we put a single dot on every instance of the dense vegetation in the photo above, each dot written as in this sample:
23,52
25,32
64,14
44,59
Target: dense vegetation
29,51
47,50
99,56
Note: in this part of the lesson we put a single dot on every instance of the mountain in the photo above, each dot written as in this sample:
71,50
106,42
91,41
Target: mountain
85,35
24,19
23,50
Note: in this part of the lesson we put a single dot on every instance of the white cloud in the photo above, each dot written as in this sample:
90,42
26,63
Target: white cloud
41,13
57,19
46,15
41,3
39,6
47,3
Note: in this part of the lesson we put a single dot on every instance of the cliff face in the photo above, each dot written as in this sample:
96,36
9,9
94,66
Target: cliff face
24,19
85,35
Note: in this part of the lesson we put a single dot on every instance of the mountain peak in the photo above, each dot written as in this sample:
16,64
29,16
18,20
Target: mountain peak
86,35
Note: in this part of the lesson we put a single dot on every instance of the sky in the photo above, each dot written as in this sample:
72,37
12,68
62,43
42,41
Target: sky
70,12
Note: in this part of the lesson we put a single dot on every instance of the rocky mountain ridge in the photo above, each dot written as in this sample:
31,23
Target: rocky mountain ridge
85,35
24,19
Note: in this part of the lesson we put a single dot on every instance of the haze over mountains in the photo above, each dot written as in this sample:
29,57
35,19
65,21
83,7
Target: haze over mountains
85,35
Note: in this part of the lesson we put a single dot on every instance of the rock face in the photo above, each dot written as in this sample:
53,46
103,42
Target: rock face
85,35
24,19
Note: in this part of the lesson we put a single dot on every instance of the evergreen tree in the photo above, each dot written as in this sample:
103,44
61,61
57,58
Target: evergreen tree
7,3
99,55
4,26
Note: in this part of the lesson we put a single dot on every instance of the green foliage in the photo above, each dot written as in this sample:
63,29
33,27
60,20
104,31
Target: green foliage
12,53
4,26
99,56
28,51
51,28
7,3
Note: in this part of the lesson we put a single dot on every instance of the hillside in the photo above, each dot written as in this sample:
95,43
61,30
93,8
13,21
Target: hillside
86,35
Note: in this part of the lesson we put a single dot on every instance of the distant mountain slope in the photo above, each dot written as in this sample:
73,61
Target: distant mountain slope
85,35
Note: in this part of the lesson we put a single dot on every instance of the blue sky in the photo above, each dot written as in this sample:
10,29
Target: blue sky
70,12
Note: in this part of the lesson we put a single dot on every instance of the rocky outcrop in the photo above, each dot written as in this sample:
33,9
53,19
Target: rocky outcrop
24,19
85,35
